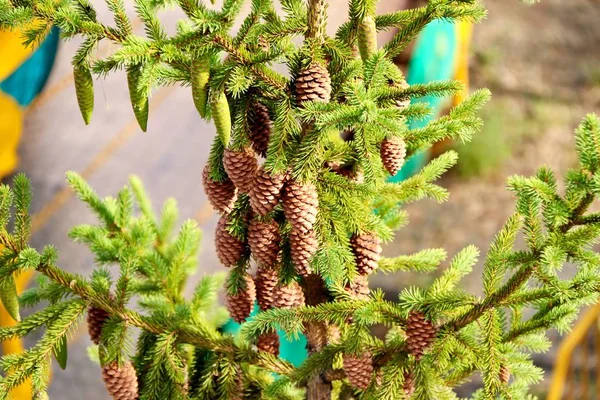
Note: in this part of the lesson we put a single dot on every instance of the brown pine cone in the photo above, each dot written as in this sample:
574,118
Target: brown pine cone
303,247
220,194
367,252
300,205
316,336
403,103
409,384
266,191
315,290
260,128
348,171
359,369
241,167
420,333
288,296
359,288
240,305
121,382
504,374
266,280
269,342
393,154
229,248
96,318
313,84
264,239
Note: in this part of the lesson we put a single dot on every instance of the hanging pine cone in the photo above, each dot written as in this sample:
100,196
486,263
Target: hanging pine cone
409,384
359,288
266,191
359,369
121,382
402,103
504,374
313,84
315,291
393,153
264,239
229,248
420,333
347,170
367,252
260,128
96,317
288,296
316,336
269,342
241,167
303,247
220,194
266,280
300,205
240,304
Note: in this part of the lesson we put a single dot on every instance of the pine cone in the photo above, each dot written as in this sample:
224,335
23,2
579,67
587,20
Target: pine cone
348,171
420,333
288,296
358,369
316,336
240,305
260,128
220,194
409,384
264,239
269,342
315,290
266,280
241,167
265,192
96,318
359,288
303,246
121,383
367,252
313,84
404,102
300,205
504,374
393,153
229,249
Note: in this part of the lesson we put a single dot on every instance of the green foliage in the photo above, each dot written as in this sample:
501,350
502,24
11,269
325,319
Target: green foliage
144,260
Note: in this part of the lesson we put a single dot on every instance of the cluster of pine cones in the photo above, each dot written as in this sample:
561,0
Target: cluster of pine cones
300,204
266,191
120,380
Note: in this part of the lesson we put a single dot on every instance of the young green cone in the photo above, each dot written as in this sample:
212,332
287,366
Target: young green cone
199,74
84,90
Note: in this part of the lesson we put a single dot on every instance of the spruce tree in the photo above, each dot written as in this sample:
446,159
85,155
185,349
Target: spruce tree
313,216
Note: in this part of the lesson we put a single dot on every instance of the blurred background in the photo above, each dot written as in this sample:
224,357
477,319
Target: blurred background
542,63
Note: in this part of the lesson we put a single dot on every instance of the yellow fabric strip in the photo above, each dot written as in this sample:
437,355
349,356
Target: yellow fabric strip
11,125
12,52
464,32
